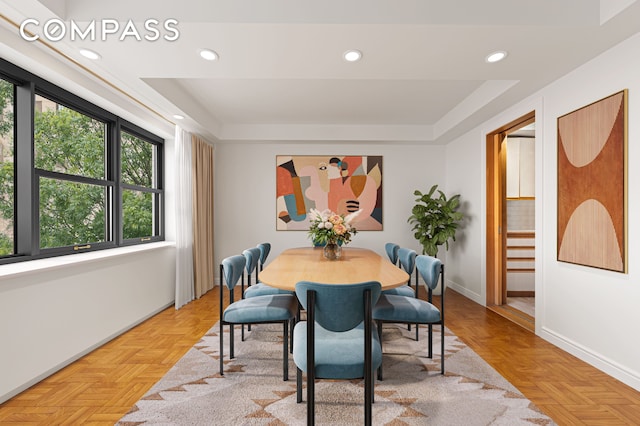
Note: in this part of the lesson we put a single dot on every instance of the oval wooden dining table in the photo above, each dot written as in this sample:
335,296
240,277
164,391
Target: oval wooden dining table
356,265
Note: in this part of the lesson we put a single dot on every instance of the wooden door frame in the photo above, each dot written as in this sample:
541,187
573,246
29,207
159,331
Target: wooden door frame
497,209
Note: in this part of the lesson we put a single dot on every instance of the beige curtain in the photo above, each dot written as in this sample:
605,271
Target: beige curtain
203,269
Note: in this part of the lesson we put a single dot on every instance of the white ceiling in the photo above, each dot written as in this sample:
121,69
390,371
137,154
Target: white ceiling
281,76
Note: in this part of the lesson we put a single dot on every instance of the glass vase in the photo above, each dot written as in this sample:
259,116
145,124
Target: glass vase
332,251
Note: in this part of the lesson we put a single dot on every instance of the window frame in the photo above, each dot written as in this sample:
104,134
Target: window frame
26,177
10,79
157,188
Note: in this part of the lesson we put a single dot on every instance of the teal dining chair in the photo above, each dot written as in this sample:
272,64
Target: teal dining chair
258,255
277,308
265,249
411,310
406,261
392,252
254,257
338,339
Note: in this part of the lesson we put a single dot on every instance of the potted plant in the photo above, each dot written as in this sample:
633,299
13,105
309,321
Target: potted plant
435,219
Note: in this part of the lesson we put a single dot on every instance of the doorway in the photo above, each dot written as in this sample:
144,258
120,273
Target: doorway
510,221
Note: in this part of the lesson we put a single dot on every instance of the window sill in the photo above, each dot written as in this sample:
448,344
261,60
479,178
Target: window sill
14,270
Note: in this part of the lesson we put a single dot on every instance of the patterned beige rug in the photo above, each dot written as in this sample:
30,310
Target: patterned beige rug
413,391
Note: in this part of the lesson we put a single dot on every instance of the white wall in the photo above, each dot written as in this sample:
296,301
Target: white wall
52,316
591,313
245,178
53,311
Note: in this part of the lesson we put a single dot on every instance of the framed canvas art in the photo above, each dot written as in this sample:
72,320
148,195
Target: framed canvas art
341,183
592,184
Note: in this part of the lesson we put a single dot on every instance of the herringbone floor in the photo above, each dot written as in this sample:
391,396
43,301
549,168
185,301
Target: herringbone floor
102,386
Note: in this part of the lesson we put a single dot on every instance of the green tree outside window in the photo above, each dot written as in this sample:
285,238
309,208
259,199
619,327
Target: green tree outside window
6,169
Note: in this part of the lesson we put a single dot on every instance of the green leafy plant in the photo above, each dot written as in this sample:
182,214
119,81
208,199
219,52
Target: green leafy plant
435,219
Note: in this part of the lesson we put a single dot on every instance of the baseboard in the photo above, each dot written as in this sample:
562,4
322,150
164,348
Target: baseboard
7,396
610,367
467,293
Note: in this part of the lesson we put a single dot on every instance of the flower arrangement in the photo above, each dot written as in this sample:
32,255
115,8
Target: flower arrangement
328,227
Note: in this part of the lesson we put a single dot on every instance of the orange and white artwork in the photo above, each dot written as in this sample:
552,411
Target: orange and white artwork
592,184
340,183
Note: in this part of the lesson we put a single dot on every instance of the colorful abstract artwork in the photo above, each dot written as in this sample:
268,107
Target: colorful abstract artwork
592,144
343,184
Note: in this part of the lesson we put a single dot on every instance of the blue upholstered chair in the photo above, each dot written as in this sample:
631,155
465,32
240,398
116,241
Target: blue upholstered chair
278,308
338,340
392,252
407,259
252,257
264,248
411,310
259,256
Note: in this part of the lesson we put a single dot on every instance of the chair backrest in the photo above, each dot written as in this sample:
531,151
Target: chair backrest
430,269
231,270
252,255
338,307
407,258
392,252
264,248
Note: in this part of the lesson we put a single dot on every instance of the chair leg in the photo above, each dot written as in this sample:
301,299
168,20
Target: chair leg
221,350
442,348
373,386
285,351
430,345
417,338
368,396
298,385
368,364
311,359
242,332
292,324
380,338
231,343
311,397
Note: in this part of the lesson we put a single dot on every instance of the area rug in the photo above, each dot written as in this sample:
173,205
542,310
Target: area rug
413,391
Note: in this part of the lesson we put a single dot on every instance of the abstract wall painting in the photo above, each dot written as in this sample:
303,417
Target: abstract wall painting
343,184
592,184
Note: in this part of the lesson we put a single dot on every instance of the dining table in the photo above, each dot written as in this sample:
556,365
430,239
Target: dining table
356,265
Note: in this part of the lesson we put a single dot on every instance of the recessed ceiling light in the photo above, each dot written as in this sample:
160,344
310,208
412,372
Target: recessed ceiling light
208,54
178,117
90,54
352,55
496,56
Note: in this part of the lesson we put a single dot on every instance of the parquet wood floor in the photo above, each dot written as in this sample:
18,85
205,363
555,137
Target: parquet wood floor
101,387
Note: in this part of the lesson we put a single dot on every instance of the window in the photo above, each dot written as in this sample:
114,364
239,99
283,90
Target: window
70,168
86,179
7,204
140,194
